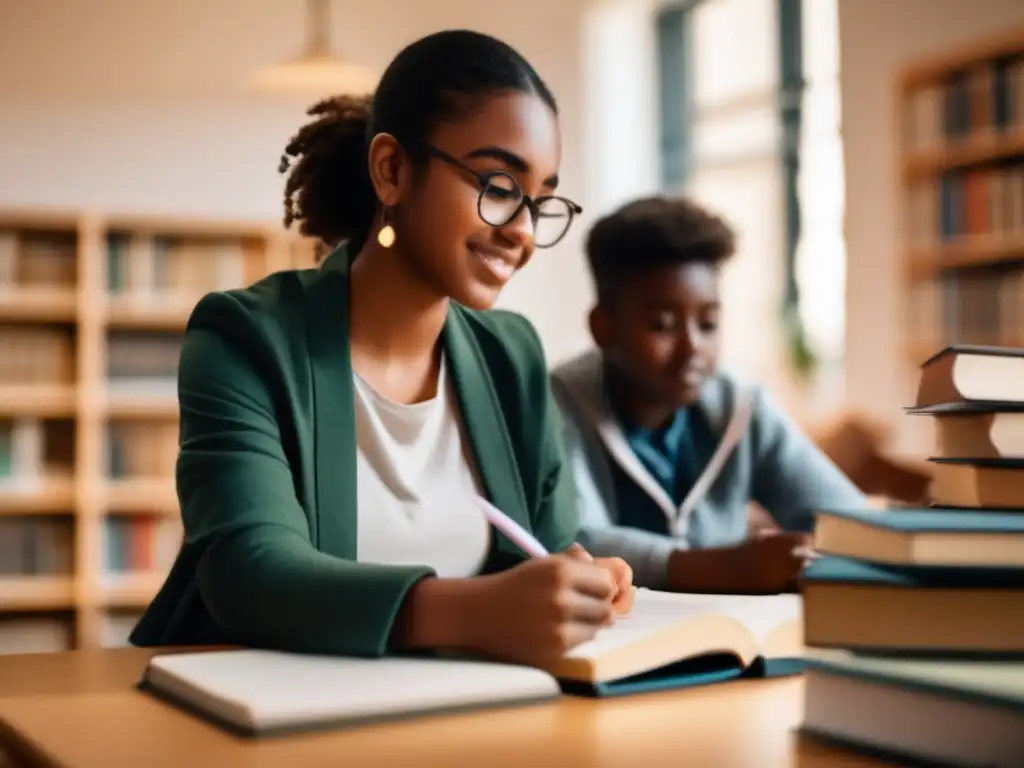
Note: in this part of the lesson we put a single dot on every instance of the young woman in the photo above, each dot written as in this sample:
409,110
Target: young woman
339,425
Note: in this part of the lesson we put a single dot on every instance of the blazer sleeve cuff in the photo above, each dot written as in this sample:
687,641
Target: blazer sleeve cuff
319,604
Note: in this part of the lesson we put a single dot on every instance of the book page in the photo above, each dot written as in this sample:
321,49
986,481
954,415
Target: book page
654,611
775,621
763,614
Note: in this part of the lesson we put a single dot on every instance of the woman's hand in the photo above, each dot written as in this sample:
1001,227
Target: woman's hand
625,592
532,613
535,612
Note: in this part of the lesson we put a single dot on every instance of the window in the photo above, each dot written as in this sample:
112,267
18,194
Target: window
820,268
750,127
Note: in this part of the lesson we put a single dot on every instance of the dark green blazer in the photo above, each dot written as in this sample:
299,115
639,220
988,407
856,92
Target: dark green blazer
266,473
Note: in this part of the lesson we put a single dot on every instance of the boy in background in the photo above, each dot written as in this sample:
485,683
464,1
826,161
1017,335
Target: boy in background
645,410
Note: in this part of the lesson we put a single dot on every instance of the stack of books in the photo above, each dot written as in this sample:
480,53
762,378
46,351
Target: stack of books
914,618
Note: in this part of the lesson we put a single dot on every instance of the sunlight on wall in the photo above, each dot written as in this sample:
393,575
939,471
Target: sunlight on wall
821,251
620,108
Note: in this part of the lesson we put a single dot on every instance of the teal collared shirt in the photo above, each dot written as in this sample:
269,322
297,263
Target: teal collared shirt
674,454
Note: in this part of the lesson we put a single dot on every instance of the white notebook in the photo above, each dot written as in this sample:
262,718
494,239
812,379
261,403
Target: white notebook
256,692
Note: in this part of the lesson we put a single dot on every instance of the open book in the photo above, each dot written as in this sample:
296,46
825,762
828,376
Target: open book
676,640
668,641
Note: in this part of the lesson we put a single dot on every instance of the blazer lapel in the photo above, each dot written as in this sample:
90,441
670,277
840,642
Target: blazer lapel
334,425
485,428
327,331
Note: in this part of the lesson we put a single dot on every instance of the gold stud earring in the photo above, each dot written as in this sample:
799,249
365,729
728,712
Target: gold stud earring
386,236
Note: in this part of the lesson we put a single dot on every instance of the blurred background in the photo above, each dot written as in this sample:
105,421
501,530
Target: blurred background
869,153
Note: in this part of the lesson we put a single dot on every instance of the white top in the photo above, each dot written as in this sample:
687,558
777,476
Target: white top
417,488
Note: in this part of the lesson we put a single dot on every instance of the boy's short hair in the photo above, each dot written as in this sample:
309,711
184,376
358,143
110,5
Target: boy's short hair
654,232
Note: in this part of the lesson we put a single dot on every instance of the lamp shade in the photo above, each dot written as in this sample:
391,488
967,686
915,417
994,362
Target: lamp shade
315,75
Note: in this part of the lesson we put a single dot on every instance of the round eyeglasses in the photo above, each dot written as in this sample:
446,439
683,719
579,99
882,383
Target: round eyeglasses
501,200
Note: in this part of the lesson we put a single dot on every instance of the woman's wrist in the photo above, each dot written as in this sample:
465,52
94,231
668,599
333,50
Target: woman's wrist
435,616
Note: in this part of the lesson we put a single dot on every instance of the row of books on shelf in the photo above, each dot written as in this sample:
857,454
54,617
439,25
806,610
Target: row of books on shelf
36,546
147,267
38,260
972,306
143,362
981,100
33,451
914,618
36,354
138,265
44,545
975,203
138,544
140,548
141,448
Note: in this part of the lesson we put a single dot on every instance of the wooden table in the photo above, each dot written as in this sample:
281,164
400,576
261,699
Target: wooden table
79,710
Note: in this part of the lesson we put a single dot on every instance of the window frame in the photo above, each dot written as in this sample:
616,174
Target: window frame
677,119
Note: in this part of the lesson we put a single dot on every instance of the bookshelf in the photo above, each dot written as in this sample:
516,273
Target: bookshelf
961,176
92,310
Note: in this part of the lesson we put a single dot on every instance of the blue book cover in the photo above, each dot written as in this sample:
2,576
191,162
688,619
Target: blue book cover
933,520
844,570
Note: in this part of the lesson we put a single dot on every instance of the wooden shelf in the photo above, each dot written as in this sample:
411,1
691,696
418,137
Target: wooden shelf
52,496
155,407
140,496
89,257
176,226
134,591
46,219
37,401
53,305
973,150
967,252
937,67
36,593
155,315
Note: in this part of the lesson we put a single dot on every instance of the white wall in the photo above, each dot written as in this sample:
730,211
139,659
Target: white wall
878,38
620,103
139,106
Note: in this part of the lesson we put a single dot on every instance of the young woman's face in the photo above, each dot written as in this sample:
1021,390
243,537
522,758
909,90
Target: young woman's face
439,222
